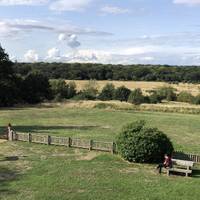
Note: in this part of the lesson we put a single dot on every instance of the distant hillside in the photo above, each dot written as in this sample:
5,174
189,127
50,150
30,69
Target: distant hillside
78,71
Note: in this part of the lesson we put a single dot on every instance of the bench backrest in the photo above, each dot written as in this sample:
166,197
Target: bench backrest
183,162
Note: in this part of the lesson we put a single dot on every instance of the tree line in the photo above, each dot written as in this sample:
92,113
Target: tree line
22,83
87,71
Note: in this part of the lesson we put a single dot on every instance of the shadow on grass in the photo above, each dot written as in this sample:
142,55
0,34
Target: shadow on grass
196,173
48,129
6,177
9,158
27,106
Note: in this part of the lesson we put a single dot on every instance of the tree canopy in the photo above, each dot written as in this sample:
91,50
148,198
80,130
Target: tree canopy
87,71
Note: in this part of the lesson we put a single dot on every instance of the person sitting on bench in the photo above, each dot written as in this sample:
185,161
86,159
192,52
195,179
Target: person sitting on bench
167,163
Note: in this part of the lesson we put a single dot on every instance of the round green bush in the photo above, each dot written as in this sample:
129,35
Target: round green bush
138,143
136,97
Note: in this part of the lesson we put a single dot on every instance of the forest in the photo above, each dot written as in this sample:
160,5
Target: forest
88,71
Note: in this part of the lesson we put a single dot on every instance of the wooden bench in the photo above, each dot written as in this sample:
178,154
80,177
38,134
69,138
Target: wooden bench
182,166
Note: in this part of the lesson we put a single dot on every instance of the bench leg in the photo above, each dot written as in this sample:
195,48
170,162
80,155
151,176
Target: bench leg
168,173
186,174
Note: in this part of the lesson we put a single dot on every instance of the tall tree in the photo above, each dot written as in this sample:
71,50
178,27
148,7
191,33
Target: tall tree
8,80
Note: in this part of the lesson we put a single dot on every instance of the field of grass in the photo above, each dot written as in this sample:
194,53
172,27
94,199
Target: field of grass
145,86
101,124
33,171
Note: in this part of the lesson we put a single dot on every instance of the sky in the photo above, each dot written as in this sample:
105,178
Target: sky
102,31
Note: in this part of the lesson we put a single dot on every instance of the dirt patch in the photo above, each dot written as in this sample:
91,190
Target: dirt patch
2,141
129,170
90,156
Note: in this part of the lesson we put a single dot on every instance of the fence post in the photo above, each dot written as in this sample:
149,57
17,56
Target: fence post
90,145
48,139
113,147
69,142
13,135
10,134
29,137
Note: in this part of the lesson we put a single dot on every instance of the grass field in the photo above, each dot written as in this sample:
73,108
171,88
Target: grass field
144,85
33,171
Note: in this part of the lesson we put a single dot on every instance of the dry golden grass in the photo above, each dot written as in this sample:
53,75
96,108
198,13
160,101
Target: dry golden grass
178,107
144,85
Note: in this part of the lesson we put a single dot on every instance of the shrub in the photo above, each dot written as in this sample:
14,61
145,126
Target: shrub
185,97
71,89
138,143
107,92
89,91
62,90
167,93
155,98
84,95
122,93
136,97
196,100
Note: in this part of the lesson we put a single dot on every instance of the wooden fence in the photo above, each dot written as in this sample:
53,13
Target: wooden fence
86,144
66,141
186,156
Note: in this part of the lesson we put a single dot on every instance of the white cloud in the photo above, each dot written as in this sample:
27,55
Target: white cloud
62,37
114,10
13,27
22,2
156,55
70,5
148,58
73,42
187,2
53,54
31,56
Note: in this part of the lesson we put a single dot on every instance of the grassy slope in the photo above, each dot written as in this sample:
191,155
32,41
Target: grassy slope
48,172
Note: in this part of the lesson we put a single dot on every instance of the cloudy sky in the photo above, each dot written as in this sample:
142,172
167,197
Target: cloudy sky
102,31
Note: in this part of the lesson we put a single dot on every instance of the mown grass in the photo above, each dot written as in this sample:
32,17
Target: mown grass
50,173
100,124
34,171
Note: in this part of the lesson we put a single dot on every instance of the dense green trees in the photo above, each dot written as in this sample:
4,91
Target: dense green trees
8,81
86,71
33,87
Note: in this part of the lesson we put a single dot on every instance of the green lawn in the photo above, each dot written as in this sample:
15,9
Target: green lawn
41,172
183,129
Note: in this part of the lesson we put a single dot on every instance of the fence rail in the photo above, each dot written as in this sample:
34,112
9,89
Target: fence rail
186,156
66,141
87,144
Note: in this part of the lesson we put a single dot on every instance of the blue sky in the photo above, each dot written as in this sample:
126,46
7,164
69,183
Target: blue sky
102,31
